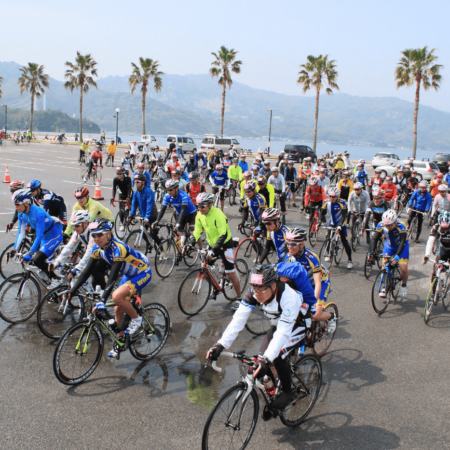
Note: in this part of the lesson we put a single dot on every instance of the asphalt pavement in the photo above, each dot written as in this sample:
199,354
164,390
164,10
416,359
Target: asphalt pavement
384,377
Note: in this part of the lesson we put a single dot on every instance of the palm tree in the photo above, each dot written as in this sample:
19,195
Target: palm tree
147,71
416,65
33,80
225,61
318,72
80,76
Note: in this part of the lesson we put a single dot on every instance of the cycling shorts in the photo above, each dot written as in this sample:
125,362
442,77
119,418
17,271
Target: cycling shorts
227,256
136,283
404,256
49,246
58,209
222,192
190,219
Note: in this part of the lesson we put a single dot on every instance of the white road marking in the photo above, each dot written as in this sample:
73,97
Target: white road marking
21,167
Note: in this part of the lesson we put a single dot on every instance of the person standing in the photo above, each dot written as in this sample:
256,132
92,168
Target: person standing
76,137
180,152
134,151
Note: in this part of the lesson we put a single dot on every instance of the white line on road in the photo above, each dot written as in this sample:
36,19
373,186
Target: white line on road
21,167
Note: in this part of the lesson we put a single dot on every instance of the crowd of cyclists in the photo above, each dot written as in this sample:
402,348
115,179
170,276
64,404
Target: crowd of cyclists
270,197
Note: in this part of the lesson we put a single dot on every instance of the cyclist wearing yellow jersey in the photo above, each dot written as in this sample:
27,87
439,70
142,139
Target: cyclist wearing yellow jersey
235,174
339,163
345,186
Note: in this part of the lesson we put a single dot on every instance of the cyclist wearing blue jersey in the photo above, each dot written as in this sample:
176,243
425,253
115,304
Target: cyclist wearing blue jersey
253,203
220,182
131,264
140,168
276,234
51,203
48,231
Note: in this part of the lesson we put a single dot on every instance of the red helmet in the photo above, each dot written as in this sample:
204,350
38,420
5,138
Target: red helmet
16,185
81,192
439,175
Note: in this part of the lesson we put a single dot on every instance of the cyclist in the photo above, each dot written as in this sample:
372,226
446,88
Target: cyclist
220,182
227,162
255,172
279,185
126,161
376,208
413,181
215,159
191,165
173,163
338,163
235,174
112,150
96,209
266,190
180,152
253,203
61,137
357,204
159,173
243,164
283,306
124,260
401,181
134,151
347,163
121,185
440,231
276,234
283,164
290,178
157,153
447,176
200,157
314,197
171,149
96,157
13,187
265,170
48,231
390,191
337,208
50,202
247,177
176,175
434,185
140,168
84,147
323,180
421,201
375,182
146,149
194,187
441,202
361,175
345,186
304,172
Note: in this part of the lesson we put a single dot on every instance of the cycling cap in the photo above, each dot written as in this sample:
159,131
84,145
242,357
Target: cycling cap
250,185
204,199
16,185
333,192
140,177
440,175
443,188
100,226
21,196
140,166
358,185
444,219
270,215
193,175
80,216
389,217
121,170
81,192
263,275
423,183
296,234
313,181
34,184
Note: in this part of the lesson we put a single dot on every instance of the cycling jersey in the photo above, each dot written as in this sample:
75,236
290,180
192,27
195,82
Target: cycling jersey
227,163
255,205
337,211
216,227
52,203
243,165
145,200
235,172
396,241
148,178
393,237
202,158
361,176
123,187
126,163
324,182
390,191
279,240
194,190
191,166
441,203
304,171
243,190
180,200
277,182
419,201
96,156
220,179
314,194
444,239
375,181
447,179
345,188
401,183
290,175
268,192
358,203
339,164
377,212
434,187
96,210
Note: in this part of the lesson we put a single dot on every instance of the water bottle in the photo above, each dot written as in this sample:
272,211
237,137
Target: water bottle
87,286
268,385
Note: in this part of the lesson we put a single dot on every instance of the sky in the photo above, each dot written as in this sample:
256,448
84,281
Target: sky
273,38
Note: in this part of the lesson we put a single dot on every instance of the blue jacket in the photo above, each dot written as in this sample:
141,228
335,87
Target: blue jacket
145,199
197,157
447,179
420,202
148,177
244,166
297,273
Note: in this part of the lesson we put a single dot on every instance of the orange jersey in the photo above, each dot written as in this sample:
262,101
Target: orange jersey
434,188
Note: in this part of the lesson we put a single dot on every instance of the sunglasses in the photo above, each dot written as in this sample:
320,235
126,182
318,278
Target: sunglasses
259,290
97,235
137,181
292,244
202,207
18,204
248,192
77,226
81,197
332,196
170,190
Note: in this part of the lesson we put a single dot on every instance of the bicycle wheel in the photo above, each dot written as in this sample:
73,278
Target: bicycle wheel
190,255
13,266
242,273
232,421
356,229
248,251
412,232
306,382
381,282
78,353
379,254
445,294
120,224
55,315
109,161
135,241
324,254
155,331
165,258
194,292
84,174
232,195
258,323
368,266
399,208
432,298
313,232
322,337
395,282
19,298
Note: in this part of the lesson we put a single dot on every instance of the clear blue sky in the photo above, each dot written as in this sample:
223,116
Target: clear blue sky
273,38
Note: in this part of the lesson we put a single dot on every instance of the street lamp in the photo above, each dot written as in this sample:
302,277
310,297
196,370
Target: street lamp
270,131
117,123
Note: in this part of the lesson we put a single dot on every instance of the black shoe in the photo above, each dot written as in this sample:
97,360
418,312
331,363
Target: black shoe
417,241
282,400
268,414
283,220
294,205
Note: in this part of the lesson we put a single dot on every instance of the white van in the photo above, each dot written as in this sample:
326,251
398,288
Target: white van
147,139
211,141
188,142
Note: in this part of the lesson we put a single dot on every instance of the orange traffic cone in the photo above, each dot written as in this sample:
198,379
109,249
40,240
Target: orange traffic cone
98,192
7,178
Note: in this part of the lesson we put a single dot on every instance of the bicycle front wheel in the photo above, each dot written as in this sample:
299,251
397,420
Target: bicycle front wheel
381,292
232,196
432,298
322,337
232,421
109,161
258,323
78,354
194,292
135,241
313,232
412,233
120,224
248,251
165,258
242,273
306,383
13,266
445,294
356,229
190,255
326,253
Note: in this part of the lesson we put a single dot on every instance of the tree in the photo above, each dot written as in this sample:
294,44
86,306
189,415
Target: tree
318,72
80,76
147,71
225,61
33,80
416,65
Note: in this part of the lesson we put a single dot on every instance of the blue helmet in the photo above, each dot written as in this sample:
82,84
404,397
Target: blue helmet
444,219
34,184
100,226
21,196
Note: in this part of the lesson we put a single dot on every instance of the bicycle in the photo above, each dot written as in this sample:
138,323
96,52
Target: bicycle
314,227
109,161
216,202
232,192
95,174
235,415
250,248
160,191
80,349
438,289
12,265
121,224
389,281
62,142
141,239
377,258
3,142
414,225
331,249
201,284
356,230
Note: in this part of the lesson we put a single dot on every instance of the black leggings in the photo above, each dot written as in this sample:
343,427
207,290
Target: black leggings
98,273
39,261
412,214
346,245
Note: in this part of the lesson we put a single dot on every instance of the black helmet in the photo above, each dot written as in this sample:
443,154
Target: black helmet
263,275
193,175
140,177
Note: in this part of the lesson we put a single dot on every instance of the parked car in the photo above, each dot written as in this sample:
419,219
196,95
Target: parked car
147,139
297,152
211,141
425,169
441,160
188,143
385,158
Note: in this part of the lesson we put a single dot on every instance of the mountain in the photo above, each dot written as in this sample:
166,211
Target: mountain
191,104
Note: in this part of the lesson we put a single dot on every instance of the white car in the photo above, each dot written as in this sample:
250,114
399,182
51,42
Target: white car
384,158
425,169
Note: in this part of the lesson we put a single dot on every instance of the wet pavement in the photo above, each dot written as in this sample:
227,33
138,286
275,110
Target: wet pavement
384,377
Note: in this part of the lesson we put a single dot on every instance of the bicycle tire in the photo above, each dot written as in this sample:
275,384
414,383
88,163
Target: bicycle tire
14,266
108,161
154,333
134,241
338,252
355,235
431,297
84,174
395,282
324,254
380,280
97,175
306,381
79,337
412,232
165,258
399,208
194,292
368,267
313,232
258,323
232,401
119,222
243,273
190,255
322,339
232,196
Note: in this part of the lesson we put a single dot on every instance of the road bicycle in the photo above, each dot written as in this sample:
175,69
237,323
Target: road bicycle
109,161
216,201
251,248
232,421
439,288
62,142
369,263
160,190
141,239
121,224
207,282
3,142
314,226
203,175
356,230
414,225
80,349
331,249
12,265
95,174
388,282
234,190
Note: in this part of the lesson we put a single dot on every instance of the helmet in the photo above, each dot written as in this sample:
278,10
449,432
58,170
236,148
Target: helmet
443,188
444,219
21,196
255,167
262,180
140,177
16,185
258,159
423,183
159,160
204,199
322,170
121,170
267,163
34,184
286,157
172,184
180,145
174,155
296,234
140,166
377,170
271,214
176,171
358,185
226,154
191,156
80,216
339,154
379,193
127,151
282,152
193,175
333,192
235,159
388,178
250,185
247,174
81,192
274,169
313,181
400,169
263,275
389,217
346,172
100,226
407,166
439,175
291,161
219,167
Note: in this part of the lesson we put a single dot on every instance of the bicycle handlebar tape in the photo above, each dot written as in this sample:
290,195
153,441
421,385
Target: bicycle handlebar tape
7,178
98,192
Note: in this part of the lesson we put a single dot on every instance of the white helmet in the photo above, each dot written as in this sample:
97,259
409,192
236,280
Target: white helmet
443,188
358,185
333,192
79,217
389,217
423,183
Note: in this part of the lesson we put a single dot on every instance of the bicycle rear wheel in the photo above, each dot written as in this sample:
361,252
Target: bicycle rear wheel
165,258
242,273
120,224
412,232
322,337
232,421
232,196
135,241
78,354
313,232
356,229
109,161
306,383
84,174
368,266
432,298
248,251
190,255
381,283
338,251
258,323
445,293
194,292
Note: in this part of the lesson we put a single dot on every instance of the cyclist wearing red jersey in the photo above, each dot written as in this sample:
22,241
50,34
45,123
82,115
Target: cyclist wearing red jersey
390,189
194,187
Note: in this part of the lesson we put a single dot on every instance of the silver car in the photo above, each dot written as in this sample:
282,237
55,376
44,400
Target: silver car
425,169
384,158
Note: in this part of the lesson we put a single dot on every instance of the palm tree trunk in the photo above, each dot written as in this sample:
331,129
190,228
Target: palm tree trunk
81,114
31,113
316,119
223,107
416,113
143,113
